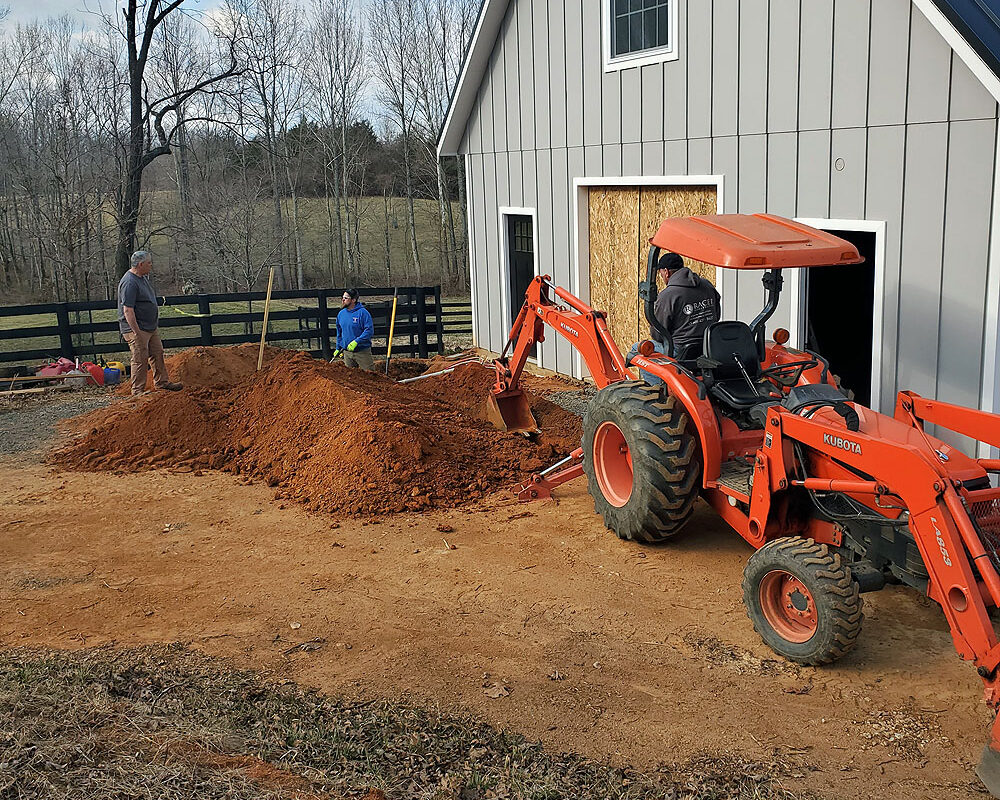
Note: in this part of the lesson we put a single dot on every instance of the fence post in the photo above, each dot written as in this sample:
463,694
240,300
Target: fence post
205,320
422,321
410,303
439,312
65,337
324,325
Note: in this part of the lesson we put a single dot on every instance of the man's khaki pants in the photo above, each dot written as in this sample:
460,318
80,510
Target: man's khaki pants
147,351
360,358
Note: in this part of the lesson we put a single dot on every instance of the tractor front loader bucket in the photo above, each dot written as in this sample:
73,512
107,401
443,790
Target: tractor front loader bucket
509,411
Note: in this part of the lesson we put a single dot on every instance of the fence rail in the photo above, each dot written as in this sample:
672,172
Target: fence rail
89,329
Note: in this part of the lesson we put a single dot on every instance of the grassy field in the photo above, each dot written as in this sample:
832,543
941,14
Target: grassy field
319,264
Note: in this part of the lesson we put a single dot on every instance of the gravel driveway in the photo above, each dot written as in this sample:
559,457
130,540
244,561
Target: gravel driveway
28,426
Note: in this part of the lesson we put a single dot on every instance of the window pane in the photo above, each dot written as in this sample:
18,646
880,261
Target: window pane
638,25
663,27
649,29
634,32
621,36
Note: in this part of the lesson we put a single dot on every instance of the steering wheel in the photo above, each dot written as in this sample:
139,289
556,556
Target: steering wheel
788,374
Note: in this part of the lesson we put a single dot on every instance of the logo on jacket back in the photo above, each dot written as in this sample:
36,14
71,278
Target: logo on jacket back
843,444
701,305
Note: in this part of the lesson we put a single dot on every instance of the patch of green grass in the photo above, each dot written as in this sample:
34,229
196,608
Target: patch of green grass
171,723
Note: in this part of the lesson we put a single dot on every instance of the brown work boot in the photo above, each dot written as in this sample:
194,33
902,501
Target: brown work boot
173,386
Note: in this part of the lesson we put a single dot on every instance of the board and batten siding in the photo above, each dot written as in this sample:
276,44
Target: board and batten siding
822,109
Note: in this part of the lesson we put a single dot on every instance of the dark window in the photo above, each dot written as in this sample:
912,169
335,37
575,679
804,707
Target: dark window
638,25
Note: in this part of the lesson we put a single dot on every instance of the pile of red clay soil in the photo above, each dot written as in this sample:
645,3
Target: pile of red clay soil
213,366
334,439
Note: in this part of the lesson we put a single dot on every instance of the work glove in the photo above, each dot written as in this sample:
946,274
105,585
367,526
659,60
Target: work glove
353,346
336,353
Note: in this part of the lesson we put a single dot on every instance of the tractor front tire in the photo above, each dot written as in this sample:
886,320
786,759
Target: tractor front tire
642,460
802,600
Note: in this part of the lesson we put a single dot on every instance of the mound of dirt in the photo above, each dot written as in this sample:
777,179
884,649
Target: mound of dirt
334,439
212,366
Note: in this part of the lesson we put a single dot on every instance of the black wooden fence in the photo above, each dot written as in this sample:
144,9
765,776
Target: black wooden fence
48,330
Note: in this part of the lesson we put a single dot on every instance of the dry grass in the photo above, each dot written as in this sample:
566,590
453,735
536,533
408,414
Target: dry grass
166,722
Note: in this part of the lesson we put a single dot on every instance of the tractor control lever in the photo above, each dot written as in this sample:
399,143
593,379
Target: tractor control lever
746,375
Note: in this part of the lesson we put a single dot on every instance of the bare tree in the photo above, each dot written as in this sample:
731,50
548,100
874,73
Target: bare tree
149,116
270,54
178,60
393,53
440,39
339,77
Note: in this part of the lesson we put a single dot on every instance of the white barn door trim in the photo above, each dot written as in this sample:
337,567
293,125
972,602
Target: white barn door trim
507,316
991,332
797,291
581,225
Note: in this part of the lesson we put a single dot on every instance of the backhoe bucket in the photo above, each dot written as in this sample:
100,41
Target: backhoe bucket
989,770
509,411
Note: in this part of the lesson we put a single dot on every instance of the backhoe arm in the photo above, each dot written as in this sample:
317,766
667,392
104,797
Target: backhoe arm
577,322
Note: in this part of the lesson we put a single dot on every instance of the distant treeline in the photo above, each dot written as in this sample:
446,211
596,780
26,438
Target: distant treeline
265,134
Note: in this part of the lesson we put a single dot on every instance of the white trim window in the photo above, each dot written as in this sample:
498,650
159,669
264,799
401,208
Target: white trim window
638,32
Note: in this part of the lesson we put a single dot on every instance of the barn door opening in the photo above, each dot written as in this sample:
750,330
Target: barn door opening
520,248
839,314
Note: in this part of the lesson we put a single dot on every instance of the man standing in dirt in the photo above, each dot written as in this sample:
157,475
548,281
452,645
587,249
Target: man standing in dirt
355,330
138,320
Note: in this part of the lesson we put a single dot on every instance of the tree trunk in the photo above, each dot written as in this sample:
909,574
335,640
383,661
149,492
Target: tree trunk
411,212
463,252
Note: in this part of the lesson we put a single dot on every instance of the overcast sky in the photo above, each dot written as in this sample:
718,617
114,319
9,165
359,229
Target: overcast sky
30,10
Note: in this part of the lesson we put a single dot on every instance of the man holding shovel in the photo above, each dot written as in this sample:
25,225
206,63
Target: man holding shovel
355,330
138,320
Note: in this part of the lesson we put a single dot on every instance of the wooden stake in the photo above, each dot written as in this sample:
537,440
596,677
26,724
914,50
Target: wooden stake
392,328
263,330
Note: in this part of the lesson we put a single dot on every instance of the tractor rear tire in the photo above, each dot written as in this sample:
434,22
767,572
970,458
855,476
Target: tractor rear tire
802,600
642,459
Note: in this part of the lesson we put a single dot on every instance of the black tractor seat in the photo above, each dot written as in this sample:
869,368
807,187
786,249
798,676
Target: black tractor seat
730,344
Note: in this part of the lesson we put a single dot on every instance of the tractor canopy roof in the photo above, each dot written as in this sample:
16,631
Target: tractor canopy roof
753,241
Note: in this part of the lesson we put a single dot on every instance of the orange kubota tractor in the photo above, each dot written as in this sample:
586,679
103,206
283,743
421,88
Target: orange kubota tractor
837,499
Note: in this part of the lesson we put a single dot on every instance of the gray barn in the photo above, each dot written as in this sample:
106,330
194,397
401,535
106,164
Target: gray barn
584,122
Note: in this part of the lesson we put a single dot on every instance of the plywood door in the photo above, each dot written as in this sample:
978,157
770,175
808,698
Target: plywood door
614,231
622,221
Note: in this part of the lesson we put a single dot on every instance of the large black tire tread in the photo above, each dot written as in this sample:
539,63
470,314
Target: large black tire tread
666,460
834,590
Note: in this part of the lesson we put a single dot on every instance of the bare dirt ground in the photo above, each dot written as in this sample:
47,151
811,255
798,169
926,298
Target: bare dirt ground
529,617
532,617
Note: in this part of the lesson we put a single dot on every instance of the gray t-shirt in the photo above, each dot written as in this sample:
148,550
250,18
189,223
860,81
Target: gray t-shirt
137,293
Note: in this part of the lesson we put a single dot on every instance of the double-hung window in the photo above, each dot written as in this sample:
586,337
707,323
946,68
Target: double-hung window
639,32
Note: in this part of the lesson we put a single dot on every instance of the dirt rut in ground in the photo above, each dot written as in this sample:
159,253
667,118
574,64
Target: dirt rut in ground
334,439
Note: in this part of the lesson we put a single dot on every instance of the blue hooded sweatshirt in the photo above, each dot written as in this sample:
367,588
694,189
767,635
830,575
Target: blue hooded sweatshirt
355,325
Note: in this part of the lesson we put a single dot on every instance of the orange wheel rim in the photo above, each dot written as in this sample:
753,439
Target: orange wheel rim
788,606
612,464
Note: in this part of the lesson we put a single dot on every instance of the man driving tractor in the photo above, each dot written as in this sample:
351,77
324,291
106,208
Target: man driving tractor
685,307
